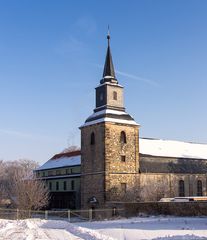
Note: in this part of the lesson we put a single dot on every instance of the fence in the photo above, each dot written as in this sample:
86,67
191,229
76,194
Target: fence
68,215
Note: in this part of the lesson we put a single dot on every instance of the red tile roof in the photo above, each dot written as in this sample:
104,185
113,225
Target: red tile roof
67,154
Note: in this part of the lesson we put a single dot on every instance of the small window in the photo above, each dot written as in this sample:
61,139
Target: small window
67,171
181,188
101,96
199,188
92,138
71,170
58,172
123,158
50,173
43,174
123,137
114,95
123,187
57,185
64,185
72,185
50,186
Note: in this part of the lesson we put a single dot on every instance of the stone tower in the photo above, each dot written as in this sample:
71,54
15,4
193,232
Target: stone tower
109,146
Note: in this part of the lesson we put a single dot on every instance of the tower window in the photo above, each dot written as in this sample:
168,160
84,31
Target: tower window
92,138
123,137
114,95
181,188
101,96
199,188
123,187
123,158
50,186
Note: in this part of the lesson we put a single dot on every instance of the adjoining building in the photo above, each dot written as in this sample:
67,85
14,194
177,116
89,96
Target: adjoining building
116,165
62,177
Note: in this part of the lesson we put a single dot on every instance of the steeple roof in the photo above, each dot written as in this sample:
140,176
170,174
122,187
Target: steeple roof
108,72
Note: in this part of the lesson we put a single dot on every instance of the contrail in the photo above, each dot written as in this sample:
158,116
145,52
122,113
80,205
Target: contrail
148,81
128,75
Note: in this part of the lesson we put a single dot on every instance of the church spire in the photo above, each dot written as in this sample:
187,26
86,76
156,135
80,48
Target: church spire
109,73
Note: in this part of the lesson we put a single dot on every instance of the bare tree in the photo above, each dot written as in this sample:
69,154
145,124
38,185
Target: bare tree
21,186
71,149
2,180
29,193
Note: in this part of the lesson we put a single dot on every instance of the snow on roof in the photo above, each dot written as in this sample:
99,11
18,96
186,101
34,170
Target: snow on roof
107,119
63,161
170,148
153,147
110,83
105,111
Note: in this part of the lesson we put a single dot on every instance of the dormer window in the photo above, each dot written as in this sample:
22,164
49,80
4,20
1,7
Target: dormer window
114,95
92,138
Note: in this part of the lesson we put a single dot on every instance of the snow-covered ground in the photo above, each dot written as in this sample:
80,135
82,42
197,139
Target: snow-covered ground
156,228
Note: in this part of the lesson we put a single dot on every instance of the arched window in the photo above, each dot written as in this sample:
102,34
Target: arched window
123,137
181,188
114,95
199,188
92,138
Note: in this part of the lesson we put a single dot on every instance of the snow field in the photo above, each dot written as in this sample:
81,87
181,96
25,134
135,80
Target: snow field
145,228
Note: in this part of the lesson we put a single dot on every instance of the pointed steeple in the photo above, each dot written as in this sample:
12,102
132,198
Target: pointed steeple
109,73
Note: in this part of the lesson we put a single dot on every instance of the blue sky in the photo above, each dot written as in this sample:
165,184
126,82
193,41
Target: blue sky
51,58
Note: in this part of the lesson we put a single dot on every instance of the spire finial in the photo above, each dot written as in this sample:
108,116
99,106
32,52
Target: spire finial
109,73
108,35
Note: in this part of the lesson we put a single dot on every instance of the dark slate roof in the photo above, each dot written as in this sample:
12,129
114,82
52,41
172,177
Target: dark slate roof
109,115
155,164
112,115
108,72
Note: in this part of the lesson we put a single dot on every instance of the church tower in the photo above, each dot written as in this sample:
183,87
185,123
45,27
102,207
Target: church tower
109,146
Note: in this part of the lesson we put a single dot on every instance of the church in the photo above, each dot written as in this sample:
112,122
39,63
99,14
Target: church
115,164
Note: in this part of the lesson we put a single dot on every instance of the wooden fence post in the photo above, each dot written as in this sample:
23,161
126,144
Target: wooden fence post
69,215
46,214
90,214
17,214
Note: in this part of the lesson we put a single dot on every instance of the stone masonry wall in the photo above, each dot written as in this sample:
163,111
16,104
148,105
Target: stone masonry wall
104,174
92,164
122,177
154,186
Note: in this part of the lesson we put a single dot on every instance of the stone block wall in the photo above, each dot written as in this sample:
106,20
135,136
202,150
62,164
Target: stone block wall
104,174
92,164
122,178
154,186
